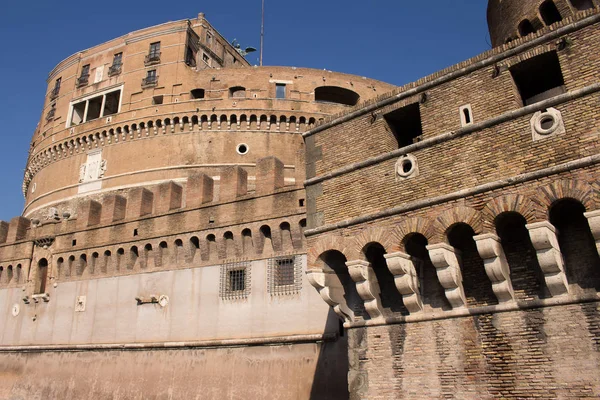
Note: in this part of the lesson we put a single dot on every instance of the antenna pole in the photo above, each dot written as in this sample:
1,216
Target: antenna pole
262,33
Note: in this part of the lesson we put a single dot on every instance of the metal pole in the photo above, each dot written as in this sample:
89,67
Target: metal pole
262,33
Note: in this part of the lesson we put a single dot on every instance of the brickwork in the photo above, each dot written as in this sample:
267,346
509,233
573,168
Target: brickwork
488,230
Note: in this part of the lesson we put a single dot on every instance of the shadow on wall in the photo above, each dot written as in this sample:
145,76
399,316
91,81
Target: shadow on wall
331,373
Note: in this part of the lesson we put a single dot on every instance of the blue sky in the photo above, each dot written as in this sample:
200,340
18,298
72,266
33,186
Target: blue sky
396,41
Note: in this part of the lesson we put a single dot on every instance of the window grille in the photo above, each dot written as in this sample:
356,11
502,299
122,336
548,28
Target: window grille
284,276
235,280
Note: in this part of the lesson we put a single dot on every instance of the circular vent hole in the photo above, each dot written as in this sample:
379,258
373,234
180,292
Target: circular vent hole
547,122
407,166
242,148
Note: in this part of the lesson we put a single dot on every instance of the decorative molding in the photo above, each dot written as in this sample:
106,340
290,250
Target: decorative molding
367,286
332,295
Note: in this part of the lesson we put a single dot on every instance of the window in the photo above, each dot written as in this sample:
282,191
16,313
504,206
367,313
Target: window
526,28
581,5
235,281
205,59
51,112
280,90
190,57
157,100
197,93
284,275
208,38
84,77
95,106
153,56
550,13
56,90
405,124
237,91
42,276
151,78
336,95
115,68
539,78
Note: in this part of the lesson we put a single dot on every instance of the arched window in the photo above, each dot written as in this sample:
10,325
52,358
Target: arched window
577,244
391,299
432,292
478,288
581,5
525,272
526,28
237,92
550,13
336,95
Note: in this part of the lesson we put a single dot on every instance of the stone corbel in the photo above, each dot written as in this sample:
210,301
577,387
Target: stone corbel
593,218
367,286
496,266
331,294
447,262
544,239
407,282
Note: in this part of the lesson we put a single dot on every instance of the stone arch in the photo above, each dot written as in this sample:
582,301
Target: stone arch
460,214
324,245
408,227
548,195
368,236
509,203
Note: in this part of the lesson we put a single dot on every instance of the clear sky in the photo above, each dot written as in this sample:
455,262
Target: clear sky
396,41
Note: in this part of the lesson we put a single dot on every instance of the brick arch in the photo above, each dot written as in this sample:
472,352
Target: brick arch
450,217
509,203
409,226
323,245
565,189
369,235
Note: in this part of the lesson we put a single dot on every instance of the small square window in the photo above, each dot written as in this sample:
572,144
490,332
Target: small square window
157,100
235,281
280,90
285,275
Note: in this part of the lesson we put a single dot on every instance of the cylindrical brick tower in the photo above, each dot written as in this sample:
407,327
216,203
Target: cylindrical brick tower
511,19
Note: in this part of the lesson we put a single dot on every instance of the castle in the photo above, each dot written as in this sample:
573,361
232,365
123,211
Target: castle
182,206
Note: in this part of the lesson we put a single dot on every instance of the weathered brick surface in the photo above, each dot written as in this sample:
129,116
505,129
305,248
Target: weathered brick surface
547,353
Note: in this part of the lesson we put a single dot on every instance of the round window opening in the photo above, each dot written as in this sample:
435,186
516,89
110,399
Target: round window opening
242,148
547,122
407,166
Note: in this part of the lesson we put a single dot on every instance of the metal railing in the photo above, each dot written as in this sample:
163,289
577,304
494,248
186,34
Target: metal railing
54,93
83,80
150,81
114,69
152,58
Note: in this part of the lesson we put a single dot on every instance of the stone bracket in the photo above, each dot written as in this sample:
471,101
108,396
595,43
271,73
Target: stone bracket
367,286
593,218
496,266
544,239
407,282
447,262
332,295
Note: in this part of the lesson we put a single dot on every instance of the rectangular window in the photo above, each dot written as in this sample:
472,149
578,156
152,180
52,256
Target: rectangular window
153,56
284,275
539,78
280,90
208,38
84,77
151,78
157,99
56,90
115,68
235,281
405,124
94,107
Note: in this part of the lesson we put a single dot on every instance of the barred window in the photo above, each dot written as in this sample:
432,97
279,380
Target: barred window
235,280
285,275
